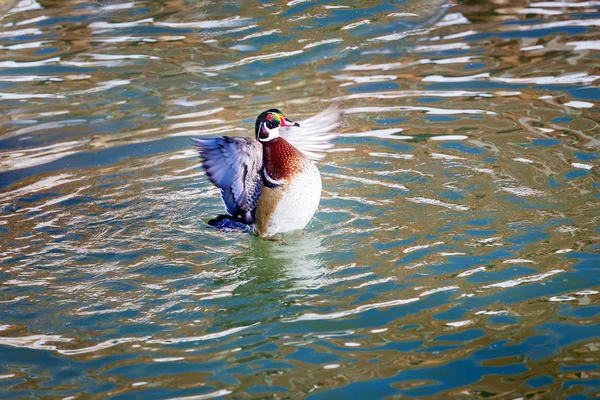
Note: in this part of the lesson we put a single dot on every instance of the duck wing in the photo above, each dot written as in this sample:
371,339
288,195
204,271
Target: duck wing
234,165
314,136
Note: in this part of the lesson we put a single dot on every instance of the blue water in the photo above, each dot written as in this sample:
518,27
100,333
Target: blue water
454,253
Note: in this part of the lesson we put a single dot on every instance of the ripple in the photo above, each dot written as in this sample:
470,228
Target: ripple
358,310
527,279
41,155
579,104
428,110
447,138
210,24
218,393
368,181
103,26
547,80
585,45
439,203
381,133
247,60
455,227
523,191
209,336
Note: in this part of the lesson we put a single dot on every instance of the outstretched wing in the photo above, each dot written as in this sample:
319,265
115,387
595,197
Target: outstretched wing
234,165
314,136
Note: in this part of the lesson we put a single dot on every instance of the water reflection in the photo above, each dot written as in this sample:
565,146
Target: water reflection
454,252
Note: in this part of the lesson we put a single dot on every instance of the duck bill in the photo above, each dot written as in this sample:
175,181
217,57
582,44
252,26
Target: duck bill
287,122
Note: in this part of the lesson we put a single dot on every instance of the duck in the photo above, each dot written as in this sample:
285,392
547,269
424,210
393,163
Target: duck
270,184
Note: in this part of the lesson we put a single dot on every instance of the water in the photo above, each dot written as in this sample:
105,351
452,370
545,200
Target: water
455,251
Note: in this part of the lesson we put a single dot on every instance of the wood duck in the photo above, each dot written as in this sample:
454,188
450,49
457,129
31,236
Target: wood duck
270,184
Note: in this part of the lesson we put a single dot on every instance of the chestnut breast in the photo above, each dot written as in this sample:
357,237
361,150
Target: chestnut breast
282,160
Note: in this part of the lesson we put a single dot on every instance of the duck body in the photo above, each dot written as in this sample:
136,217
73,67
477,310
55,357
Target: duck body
270,184
292,190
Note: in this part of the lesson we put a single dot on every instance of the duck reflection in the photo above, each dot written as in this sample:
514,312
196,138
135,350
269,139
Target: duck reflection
271,278
267,266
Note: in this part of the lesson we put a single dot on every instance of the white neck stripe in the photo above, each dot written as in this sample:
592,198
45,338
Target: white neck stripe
273,133
273,181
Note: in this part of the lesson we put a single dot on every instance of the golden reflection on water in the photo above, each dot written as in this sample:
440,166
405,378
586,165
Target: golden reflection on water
453,251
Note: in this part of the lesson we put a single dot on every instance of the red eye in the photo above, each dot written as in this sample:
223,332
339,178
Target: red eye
269,117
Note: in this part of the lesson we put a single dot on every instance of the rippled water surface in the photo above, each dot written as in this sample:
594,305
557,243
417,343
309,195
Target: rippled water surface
455,251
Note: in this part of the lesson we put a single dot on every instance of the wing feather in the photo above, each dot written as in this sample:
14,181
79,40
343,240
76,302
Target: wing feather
315,135
234,165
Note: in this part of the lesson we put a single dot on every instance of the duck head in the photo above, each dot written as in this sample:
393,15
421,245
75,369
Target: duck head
268,124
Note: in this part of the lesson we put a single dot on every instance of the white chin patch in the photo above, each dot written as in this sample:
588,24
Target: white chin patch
273,133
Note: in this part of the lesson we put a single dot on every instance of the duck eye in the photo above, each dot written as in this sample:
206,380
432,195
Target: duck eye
270,117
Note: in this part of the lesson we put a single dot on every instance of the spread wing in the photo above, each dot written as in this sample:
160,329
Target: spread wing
314,136
234,165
